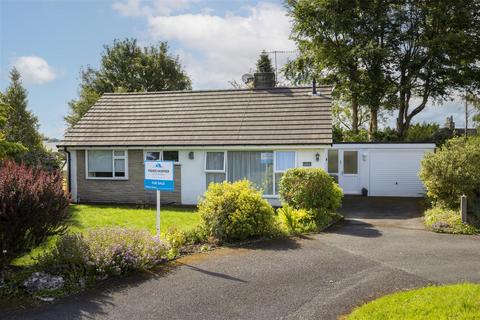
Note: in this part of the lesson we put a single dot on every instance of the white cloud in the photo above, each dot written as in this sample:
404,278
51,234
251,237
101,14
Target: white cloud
34,69
215,49
133,8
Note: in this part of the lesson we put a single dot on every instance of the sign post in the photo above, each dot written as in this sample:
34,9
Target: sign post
159,176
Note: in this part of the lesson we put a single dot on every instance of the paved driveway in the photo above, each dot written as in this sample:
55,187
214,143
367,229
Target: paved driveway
316,277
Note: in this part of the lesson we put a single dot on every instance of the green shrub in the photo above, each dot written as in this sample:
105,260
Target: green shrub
421,132
68,258
195,235
296,221
311,189
235,211
176,240
446,220
453,170
102,252
33,207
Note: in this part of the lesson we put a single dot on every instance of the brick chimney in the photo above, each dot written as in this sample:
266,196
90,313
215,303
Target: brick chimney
263,80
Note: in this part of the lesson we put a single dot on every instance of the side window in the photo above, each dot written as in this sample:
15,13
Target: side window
332,166
152,155
350,162
170,155
161,155
214,167
332,161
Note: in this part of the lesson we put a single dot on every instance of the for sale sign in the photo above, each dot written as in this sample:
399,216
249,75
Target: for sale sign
159,175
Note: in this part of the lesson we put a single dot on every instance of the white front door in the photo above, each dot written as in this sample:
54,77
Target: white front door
348,177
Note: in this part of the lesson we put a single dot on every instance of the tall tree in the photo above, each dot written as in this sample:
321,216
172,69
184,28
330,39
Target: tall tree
127,67
331,37
383,53
7,148
21,125
434,48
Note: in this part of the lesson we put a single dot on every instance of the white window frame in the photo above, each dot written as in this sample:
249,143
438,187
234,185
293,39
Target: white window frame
216,171
114,157
161,154
275,171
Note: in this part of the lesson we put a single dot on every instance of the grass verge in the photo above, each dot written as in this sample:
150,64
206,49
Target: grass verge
460,301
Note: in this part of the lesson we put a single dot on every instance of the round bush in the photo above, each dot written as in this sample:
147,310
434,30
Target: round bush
453,170
235,211
311,189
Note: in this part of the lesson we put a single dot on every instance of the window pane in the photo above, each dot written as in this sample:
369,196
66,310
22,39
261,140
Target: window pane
278,177
213,177
215,161
119,153
152,156
284,160
170,156
350,162
254,166
332,161
119,168
100,160
100,163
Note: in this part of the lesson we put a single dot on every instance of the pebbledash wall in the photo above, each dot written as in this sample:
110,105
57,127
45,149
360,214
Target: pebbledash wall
122,191
190,179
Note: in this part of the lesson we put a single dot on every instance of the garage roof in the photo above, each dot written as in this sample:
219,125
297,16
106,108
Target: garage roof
276,116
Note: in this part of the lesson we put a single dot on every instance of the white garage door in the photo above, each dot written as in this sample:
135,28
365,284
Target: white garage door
395,173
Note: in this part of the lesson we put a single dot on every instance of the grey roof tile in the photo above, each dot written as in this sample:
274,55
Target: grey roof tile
277,116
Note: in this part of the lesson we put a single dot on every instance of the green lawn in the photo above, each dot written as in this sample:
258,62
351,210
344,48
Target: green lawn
86,217
95,216
461,301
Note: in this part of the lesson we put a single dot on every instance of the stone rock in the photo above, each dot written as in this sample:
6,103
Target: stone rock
43,281
46,299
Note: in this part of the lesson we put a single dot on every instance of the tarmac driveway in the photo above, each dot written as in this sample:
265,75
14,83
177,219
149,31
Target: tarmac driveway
378,249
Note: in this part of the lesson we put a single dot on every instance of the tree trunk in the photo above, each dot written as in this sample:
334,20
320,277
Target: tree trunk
354,113
373,128
401,113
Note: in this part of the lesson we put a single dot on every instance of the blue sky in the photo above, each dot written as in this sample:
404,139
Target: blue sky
217,41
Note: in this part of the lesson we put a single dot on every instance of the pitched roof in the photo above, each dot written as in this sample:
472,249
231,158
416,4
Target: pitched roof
277,116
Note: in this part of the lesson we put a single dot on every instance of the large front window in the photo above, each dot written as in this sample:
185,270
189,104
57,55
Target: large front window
256,166
263,169
107,164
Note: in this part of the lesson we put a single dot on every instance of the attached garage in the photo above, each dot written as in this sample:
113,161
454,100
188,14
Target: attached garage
379,169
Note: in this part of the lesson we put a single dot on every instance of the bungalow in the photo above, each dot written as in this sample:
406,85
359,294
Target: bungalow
217,135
